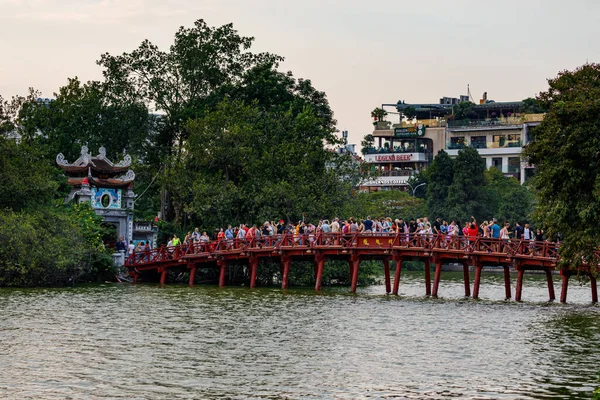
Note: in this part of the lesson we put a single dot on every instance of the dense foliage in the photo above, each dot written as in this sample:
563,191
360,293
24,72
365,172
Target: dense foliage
566,154
460,188
48,246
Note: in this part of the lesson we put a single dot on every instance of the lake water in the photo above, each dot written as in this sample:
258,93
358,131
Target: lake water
121,341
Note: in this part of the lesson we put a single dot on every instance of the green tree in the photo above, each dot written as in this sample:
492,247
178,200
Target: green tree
566,155
440,175
367,144
509,200
464,110
243,164
24,180
181,82
385,203
51,246
84,114
410,113
378,113
467,195
530,106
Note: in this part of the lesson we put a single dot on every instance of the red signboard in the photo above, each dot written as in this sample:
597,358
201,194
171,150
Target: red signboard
394,157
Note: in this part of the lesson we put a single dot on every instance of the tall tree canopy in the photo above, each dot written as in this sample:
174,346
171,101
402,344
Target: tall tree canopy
566,155
182,82
441,174
467,195
84,114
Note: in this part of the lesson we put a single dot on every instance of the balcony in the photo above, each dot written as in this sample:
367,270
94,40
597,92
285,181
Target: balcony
486,145
428,123
489,123
398,172
387,150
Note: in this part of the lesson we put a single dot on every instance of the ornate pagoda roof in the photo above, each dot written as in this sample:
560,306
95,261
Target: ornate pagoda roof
87,163
123,181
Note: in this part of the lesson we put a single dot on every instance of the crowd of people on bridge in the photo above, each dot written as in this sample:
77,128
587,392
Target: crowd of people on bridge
375,226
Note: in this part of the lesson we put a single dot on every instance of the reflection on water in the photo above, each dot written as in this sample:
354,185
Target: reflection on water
146,342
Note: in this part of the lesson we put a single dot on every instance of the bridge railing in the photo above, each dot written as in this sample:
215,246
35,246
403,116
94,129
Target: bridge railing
416,241
158,254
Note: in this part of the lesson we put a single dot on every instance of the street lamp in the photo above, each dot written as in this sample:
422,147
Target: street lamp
416,187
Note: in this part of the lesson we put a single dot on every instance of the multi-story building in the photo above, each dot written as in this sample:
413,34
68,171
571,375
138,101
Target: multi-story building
400,151
499,141
498,130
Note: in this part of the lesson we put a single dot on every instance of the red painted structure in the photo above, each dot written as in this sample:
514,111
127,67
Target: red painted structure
354,248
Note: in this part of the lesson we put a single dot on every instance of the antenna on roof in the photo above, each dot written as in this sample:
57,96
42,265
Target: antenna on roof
469,94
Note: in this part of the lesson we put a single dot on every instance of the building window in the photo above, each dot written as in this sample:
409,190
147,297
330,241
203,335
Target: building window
498,141
497,163
457,142
514,165
479,142
514,141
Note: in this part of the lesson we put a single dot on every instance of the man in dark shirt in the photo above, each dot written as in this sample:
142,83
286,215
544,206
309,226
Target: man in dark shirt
412,226
436,226
368,225
518,231
121,245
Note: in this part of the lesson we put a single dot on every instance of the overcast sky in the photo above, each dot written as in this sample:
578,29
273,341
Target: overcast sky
361,53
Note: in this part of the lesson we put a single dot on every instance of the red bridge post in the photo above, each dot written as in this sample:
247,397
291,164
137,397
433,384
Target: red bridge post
253,270
320,261
163,276
192,268
466,278
436,278
398,261
594,288
565,286
519,289
386,269
427,277
355,265
507,291
477,282
223,266
550,284
285,261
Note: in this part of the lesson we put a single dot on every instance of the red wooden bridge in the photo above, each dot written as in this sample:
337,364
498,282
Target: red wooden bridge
432,249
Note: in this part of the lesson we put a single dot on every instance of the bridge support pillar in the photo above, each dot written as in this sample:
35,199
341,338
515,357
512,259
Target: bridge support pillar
436,278
192,268
355,265
594,288
519,289
320,262
551,294
253,271
285,266
427,277
466,278
477,282
223,266
386,269
507,291
565,287
398,261
163,276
